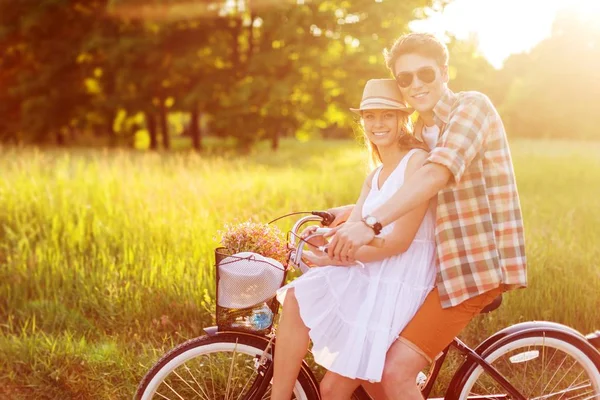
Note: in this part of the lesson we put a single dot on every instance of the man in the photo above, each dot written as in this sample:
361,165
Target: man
479,228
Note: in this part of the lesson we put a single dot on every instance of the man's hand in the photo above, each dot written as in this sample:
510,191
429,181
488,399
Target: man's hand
347,239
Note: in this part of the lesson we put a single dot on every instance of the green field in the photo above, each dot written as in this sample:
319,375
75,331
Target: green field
105,256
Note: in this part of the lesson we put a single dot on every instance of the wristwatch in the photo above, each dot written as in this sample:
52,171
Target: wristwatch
372,223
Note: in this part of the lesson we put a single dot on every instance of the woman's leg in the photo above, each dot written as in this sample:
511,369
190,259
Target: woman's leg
292,345
337,387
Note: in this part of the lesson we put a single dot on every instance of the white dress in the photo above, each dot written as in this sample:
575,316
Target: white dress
354,314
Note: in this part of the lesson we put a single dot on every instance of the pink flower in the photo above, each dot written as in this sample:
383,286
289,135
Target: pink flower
264,239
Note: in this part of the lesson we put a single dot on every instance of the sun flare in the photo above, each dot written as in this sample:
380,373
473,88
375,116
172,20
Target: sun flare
504,27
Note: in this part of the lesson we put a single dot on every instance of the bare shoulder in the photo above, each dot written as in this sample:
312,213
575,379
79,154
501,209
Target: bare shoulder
369,178
416,160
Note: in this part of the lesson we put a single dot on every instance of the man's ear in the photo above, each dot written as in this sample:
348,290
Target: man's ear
445,74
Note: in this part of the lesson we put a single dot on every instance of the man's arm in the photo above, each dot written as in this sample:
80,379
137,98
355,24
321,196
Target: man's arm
418,189
463,138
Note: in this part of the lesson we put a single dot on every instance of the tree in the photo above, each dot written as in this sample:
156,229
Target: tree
554,88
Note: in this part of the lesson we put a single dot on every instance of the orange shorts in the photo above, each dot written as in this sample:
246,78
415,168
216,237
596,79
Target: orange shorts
433,327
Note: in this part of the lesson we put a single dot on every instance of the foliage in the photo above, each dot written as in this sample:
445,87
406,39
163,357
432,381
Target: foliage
251,70
114,72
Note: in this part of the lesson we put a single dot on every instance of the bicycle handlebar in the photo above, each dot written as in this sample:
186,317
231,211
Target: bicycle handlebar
297,247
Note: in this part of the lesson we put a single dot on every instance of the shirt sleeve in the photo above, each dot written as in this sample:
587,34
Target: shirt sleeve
462,138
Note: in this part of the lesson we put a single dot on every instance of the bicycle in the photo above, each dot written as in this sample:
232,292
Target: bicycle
531,360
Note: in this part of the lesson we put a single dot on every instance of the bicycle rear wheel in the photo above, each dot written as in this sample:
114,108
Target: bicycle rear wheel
540,365
218,367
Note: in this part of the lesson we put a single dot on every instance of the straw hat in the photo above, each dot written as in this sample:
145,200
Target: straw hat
382,94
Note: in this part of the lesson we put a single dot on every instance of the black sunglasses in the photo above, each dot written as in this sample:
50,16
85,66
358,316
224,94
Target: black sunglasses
425,75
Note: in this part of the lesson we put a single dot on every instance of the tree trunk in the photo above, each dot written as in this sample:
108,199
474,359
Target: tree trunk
60,138
151,124
112,136
275,139
164,126
195,129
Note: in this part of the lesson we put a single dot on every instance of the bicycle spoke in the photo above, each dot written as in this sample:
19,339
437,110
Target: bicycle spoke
187,383
561,392
197,383
571,386
593,397
212,378
583,395
511,367
174,391
230,371
246,385
164,397
532,389
553,375
483,387
563,377
526,365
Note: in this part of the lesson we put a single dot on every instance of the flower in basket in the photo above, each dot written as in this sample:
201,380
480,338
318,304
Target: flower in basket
264,239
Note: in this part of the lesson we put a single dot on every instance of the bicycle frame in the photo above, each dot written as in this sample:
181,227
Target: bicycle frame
472,356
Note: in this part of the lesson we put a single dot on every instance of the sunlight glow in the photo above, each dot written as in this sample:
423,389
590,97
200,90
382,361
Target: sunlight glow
505,27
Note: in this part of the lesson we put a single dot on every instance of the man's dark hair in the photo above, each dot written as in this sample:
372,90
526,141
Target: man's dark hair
424,44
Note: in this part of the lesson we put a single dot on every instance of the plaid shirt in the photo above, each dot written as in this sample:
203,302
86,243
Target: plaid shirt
479,228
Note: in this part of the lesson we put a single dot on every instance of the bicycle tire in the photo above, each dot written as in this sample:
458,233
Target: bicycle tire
516,354
191,352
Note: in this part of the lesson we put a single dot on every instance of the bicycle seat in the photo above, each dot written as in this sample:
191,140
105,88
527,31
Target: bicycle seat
492,306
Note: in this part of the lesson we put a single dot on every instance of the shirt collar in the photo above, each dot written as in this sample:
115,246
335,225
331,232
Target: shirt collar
444,106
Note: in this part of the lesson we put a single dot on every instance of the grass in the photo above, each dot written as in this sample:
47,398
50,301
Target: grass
105,257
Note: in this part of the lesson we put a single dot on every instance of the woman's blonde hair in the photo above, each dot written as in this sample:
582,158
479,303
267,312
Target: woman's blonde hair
406,139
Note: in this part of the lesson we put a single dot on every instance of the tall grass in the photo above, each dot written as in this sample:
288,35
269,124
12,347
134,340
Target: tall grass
106,257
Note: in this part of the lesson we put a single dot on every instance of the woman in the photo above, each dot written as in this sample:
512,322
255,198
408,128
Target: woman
352,313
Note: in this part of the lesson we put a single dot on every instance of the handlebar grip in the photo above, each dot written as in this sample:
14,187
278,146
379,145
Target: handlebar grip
325,216
322,231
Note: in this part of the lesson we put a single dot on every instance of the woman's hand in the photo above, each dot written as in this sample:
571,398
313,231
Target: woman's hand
314,242
318,260
315,260
341,214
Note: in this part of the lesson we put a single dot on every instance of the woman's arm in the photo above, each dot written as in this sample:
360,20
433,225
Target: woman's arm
340,214
405,228
356,214
352,212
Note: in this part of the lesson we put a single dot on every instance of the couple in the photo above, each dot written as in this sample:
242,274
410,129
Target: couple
445,200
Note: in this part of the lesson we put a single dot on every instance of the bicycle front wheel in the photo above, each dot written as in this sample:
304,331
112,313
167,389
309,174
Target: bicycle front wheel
540,366
218,367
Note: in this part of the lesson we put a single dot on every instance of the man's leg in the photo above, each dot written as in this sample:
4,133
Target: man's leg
402,365
375,390
423,339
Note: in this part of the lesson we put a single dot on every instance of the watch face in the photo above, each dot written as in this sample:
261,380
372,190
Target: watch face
370,220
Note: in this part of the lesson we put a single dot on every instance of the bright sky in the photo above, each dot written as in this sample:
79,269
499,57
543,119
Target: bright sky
504,26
